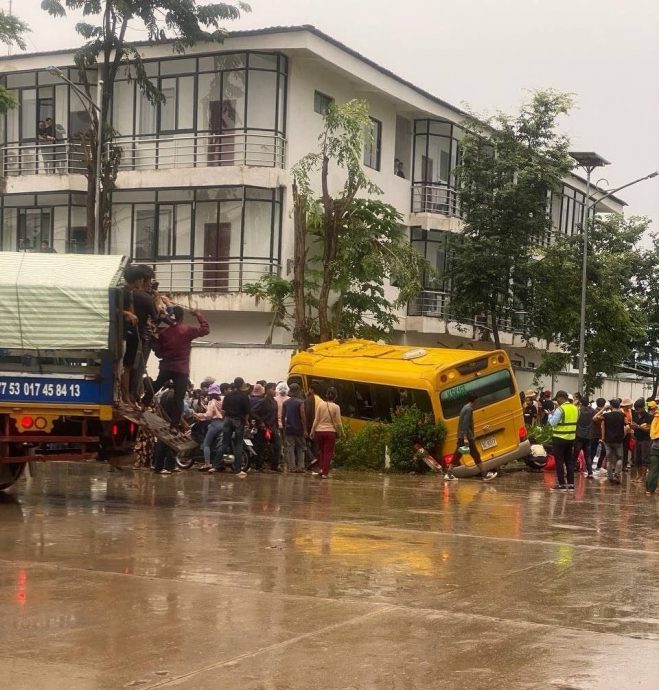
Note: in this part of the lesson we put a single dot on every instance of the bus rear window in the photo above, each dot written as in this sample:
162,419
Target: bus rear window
490,389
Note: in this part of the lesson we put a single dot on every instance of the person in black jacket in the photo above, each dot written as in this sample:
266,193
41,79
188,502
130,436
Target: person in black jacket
236,414
265,414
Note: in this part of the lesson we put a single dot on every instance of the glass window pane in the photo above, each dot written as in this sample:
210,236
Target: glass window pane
211,193
121,229
78,240
34,226
205,223
226,61
9,229
321,102
29,114
60,229
123,108
443,128
52,200
185,102
24,79
258,193
78,115
176,195
258,229
178,66
165,227
145,231
209,106
263,61
373,141
489,389
233,101
183,229
364,399
19,200
142,196
231,226
168,107
146,116
262,100
12,121
281,106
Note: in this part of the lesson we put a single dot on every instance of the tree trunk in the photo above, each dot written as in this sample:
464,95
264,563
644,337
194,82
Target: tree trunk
300,329
495,329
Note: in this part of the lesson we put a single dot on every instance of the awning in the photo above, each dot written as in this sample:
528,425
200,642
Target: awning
56,301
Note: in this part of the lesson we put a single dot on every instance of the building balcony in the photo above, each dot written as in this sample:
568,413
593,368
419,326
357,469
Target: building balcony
435,198
219,276
163,152
42,159
430,303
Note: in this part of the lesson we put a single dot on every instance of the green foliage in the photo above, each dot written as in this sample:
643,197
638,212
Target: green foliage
617,306
364,449
184,22
540,433
509,165
345,246
410,427
278,293
12,30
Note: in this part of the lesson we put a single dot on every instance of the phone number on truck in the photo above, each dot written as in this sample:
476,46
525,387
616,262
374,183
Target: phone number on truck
31,389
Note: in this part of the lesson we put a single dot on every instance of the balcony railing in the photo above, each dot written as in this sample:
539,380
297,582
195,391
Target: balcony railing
202,151
436,304
42,159
435,198
224,275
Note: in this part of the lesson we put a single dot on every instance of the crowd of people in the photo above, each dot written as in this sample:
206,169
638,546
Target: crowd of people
284,423
603,438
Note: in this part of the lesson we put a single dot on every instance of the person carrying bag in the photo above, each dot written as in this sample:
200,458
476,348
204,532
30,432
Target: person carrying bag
326,427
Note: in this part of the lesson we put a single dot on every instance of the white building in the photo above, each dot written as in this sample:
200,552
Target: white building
203,192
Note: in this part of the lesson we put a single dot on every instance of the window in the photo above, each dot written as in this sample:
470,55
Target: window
372,401
490,389
321,102
373,145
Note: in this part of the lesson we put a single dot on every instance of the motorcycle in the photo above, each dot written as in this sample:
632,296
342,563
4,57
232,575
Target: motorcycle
198,433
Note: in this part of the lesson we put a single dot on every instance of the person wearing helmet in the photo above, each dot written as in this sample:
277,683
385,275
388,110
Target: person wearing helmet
215,414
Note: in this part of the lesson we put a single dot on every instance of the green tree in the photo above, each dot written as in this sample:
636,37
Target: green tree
347,244
184,22
12,30
509,165
615,298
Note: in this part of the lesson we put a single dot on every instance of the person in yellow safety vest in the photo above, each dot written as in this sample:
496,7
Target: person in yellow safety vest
652,477
564,422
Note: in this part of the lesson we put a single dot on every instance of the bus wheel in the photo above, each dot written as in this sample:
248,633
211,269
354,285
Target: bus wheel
10,473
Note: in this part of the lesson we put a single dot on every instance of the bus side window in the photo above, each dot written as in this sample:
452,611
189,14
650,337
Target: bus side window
365,408
320,386
296,378
421,399
383,402
346,398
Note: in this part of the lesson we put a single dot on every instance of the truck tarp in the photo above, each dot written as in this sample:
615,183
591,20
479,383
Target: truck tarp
56,301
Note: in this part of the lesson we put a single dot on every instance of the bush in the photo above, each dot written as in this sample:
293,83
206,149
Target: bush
411,427
541,433
364,449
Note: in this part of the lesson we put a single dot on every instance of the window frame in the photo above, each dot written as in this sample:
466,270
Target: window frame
318,97
374,142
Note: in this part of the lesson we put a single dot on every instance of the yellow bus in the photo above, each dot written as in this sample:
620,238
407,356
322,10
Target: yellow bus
373,380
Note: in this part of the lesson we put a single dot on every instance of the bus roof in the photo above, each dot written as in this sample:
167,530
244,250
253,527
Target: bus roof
367,357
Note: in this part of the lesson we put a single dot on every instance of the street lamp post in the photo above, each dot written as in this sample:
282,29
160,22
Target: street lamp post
589,161
90,106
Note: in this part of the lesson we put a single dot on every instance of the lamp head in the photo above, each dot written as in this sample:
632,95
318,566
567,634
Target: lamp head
54,71
653,174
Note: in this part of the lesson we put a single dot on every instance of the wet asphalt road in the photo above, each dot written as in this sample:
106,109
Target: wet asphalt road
130,580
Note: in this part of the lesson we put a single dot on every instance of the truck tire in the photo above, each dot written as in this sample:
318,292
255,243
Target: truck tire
10,473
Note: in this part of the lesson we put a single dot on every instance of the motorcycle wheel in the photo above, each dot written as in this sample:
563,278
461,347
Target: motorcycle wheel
185,462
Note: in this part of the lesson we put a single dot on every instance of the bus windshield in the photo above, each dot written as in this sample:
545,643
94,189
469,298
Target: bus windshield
489,389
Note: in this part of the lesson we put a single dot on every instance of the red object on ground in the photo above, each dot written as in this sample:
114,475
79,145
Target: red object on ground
551,464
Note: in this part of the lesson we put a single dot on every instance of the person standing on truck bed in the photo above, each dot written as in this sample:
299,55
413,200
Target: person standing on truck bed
138,309
173,348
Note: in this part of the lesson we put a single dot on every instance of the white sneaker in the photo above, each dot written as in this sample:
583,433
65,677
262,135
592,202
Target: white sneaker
490,476
241,475
450,477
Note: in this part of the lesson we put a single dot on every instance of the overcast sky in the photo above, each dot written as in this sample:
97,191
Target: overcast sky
487,54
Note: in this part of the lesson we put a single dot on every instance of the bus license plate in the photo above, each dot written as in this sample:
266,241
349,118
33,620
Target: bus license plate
488,442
